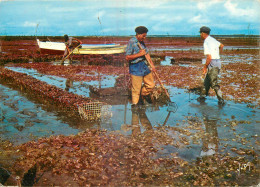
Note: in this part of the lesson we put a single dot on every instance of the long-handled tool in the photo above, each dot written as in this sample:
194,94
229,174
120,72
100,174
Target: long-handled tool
172,107
64,58
151,64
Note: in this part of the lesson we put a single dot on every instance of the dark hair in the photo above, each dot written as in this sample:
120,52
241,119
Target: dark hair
141,30
66,37
205,29
207,32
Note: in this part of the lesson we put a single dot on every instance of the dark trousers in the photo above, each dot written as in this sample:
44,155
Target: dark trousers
211,81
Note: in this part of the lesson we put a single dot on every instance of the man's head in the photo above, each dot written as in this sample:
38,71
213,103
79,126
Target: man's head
141,33
66,37
204,32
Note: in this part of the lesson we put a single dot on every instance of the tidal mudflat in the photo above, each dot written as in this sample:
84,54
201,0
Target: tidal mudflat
43,136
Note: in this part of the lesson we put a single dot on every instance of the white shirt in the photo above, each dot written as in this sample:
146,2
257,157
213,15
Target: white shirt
70,41
211,47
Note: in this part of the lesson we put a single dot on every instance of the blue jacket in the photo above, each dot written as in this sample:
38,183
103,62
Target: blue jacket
138,66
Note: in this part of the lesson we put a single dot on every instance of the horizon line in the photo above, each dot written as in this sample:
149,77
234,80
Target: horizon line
155,35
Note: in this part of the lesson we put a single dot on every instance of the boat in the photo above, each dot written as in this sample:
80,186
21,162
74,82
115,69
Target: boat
49,47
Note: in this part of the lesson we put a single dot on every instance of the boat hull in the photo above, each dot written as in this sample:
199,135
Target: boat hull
51,51
58,48
111,50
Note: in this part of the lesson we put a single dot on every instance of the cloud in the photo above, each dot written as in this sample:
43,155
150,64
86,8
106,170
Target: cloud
122,16
150,4
64,9
128,16
239,12
199,19
196,19
147,3
204,5
85,23
29,24
201,6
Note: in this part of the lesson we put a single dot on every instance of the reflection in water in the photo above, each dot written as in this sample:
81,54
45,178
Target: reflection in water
68,84
139,115
210,140
27,118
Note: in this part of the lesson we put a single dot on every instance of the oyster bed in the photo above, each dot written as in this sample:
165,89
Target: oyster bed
198,144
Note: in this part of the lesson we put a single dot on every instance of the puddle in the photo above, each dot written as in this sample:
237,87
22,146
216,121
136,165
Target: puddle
177,49
80,88
234,125
22,120
245,58
193,48
166,61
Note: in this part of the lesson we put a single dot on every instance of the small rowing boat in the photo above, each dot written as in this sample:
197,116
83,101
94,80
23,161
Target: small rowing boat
49,47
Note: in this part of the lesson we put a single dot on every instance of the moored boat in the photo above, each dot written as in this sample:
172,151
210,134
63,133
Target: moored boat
49,47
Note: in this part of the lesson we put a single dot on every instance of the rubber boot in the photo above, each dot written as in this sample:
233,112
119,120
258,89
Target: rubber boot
202,96
219,96
147,98
134,108
202,91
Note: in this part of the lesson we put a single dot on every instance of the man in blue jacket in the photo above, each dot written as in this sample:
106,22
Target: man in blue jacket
138,68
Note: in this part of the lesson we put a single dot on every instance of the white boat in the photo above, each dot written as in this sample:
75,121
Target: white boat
59,48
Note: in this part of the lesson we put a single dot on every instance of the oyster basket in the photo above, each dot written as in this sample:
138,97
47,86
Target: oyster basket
95,111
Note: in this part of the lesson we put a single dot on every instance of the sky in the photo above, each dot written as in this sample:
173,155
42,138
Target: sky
121,17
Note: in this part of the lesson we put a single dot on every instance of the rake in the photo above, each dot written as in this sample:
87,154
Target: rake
64,58
172,105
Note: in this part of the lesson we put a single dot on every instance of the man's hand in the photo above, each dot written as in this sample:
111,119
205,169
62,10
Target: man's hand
204,71
142,52
137,55
205,68
151,64
221,48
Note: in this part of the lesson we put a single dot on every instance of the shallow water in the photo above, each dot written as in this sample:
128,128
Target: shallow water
24,120
194,48
234,125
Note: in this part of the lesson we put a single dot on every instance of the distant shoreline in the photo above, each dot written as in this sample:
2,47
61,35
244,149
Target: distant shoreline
154,41
159,36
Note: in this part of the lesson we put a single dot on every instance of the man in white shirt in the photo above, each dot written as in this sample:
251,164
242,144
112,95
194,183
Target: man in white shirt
212,67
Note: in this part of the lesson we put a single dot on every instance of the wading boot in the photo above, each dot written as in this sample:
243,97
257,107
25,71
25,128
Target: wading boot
134,108
221,102
147,98
201,99
140,101
220,98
